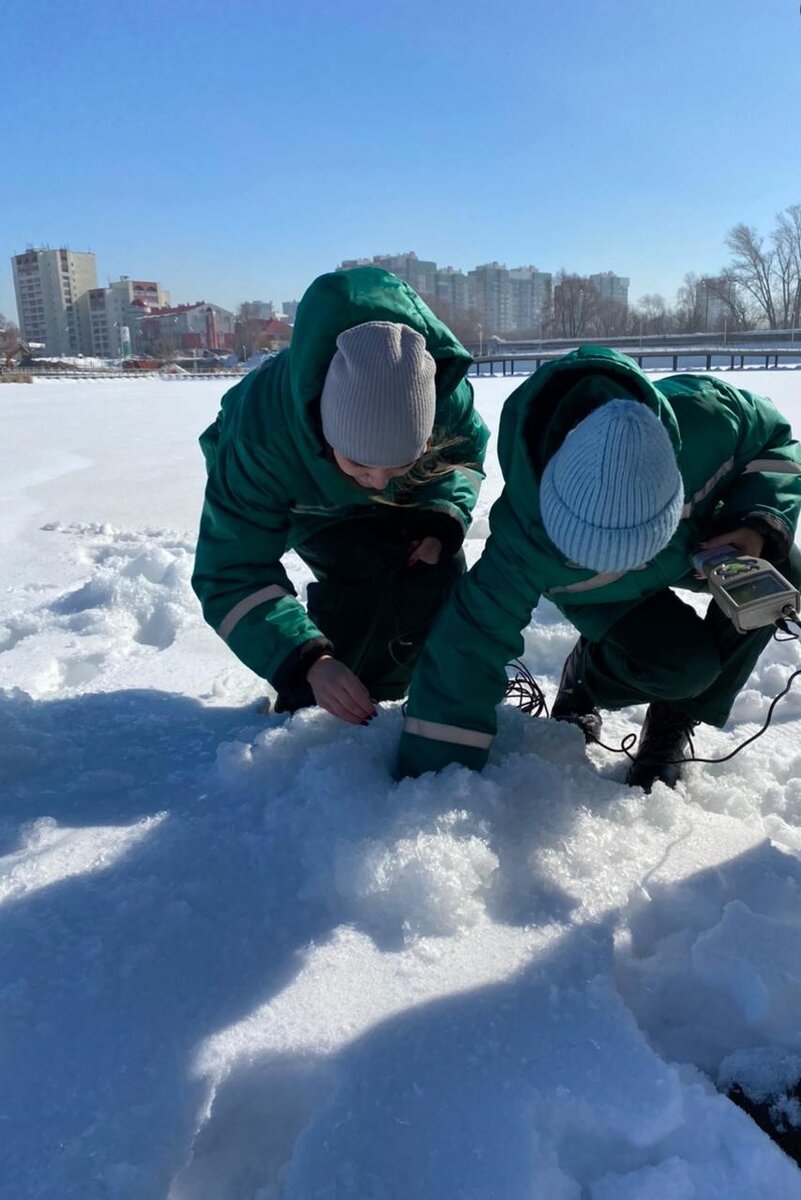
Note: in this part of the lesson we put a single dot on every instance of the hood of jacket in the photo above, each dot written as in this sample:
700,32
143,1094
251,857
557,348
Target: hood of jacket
540,414
343,299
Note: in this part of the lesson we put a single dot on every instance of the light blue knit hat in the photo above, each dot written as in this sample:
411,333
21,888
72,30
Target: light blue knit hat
611,496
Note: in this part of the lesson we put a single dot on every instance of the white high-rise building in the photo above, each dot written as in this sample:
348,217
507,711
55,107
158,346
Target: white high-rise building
109,311
454,287
610,286
48,285
516,300
492,296
419,272
531,293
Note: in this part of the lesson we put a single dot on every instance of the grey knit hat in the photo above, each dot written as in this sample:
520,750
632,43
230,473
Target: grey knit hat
378,399
611,496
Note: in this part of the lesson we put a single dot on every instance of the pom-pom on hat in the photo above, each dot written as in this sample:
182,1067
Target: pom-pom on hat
378,400
611,496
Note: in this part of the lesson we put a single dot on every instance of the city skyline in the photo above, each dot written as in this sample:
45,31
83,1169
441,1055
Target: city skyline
390,261
61,308
239,152
12,310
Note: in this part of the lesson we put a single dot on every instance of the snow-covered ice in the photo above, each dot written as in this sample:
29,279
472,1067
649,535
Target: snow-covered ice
239,962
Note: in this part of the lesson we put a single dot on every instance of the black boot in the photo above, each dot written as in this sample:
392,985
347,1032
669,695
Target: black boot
573,702
663,747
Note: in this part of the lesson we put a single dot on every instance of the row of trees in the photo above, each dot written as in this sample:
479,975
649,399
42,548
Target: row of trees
702,305
769,271
760,287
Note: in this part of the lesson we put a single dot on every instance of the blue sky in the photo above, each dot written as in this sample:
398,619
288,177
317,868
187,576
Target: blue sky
234,150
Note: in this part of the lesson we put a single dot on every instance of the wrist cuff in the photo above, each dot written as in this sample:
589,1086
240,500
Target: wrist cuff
293,670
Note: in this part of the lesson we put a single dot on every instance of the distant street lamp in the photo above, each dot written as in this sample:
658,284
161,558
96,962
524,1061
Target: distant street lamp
480,341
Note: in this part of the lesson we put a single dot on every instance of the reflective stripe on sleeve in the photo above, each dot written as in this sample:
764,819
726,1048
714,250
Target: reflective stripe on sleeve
589,585
448,733
703,492
240,610
773,466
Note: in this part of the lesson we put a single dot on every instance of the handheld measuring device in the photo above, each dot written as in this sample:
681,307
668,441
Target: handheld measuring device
751,592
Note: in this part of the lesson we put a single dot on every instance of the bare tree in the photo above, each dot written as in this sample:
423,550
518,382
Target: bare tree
770,274
690,315
650,315
787,242
740,310
754,269
575,305
611,317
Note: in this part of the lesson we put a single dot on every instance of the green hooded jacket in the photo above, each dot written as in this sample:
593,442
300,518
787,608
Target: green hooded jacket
271,484
739,463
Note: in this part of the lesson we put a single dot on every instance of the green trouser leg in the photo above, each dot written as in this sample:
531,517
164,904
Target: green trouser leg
375,609
663,650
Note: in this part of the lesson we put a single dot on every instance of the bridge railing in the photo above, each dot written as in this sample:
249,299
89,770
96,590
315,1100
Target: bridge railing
522,362
686,358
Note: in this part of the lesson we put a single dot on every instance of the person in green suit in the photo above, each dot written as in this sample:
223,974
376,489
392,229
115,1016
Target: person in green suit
360,448
612,482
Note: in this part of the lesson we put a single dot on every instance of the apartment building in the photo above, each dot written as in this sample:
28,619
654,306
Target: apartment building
492,297
530,299
505,300
419,272
257,310
108,312
49,285
610,286
454,287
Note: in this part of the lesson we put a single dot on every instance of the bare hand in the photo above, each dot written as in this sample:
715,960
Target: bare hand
747,541
427,550
339,691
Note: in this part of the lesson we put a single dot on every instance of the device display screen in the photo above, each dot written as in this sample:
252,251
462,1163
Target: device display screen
755,589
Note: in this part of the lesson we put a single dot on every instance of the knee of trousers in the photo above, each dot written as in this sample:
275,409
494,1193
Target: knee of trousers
690,675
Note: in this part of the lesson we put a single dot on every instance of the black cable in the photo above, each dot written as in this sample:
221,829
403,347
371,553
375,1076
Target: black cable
524,690
782,623
529,698
759,732
627,741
